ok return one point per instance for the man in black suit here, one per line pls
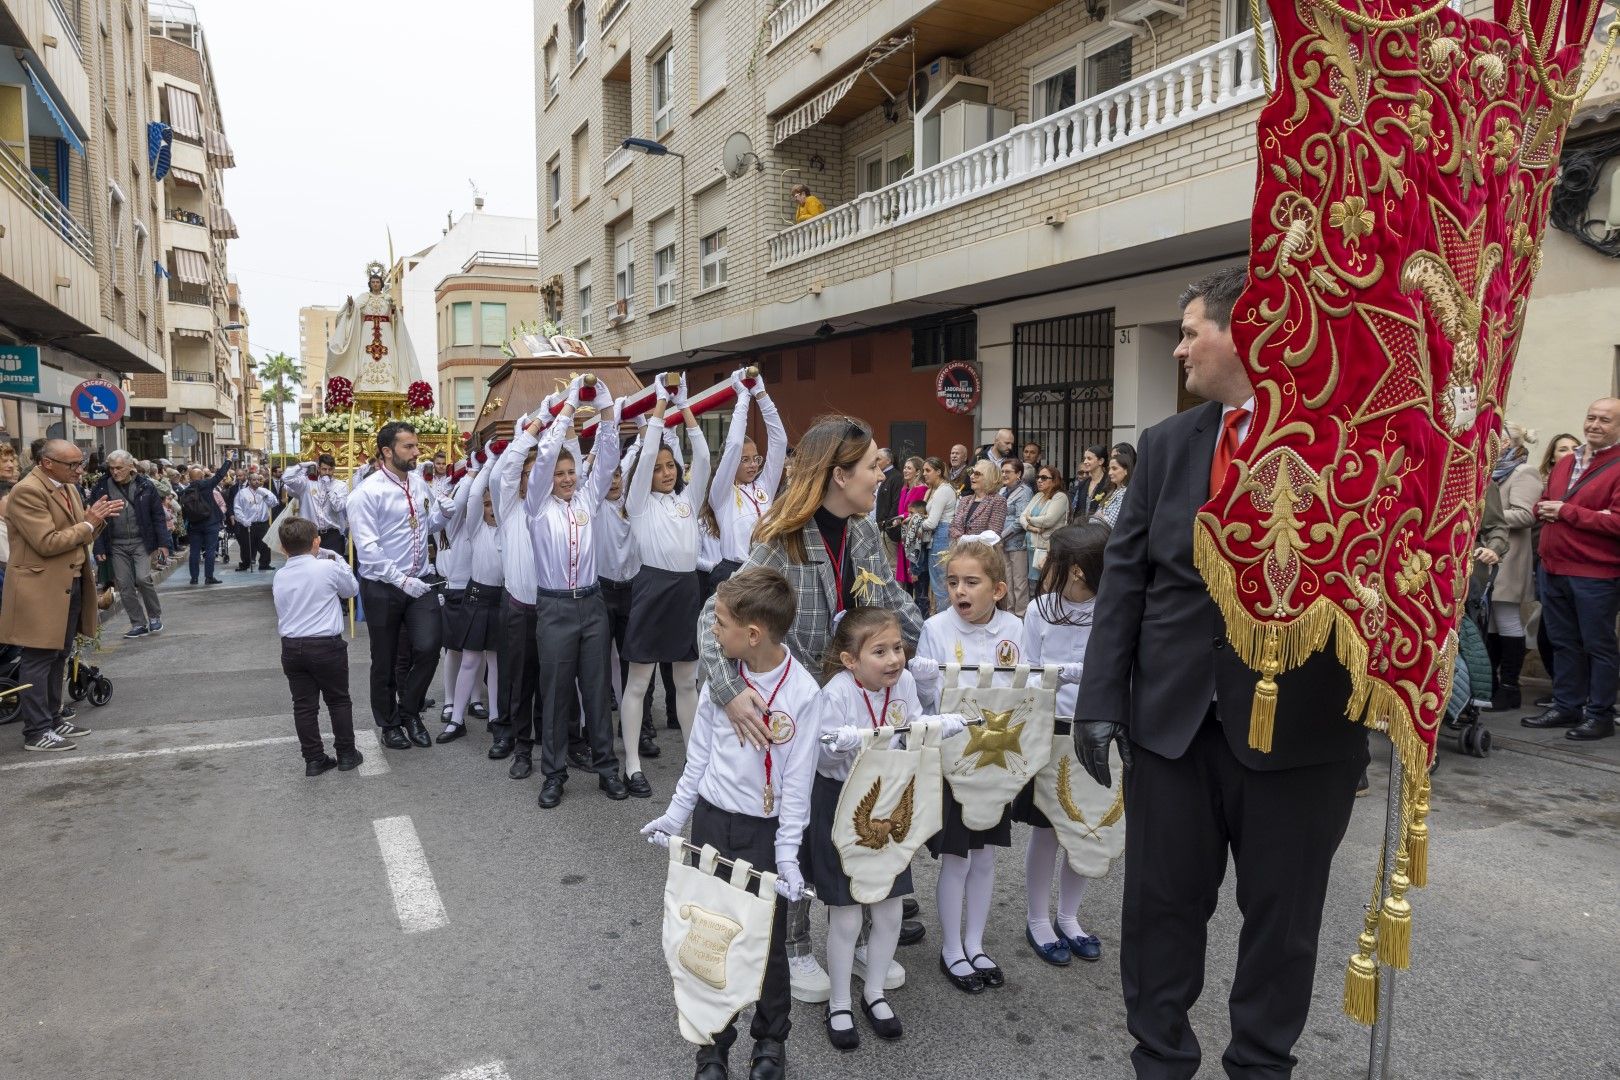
(1163, 684)
(886, 510)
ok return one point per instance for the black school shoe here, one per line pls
(842, 1040)
(637, 785)
(320, 765)
(613, 787)
(770, 1060)
(883, 1028)
(349, 759)
(912, 931)
(648, 746)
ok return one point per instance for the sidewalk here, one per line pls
(1508, 734)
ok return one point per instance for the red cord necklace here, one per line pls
(770, 796)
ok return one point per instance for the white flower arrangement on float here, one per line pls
(339, 424)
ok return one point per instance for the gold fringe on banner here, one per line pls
(1417, 841)
(1395, 920)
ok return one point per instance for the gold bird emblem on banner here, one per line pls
(876, 833)
(995, 740)
(1065, 795)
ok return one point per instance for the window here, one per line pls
(1094, 66)
(582, 164)
(624, 269)
(885, 163)
(944, 341)
(493, 317)
(1108, 67)
(554, 188)
(665, 266)
(663, 84)
(461, 330)
(711, 230)
(579, 28)
(1239, 17)
(582, 289)
(466, 409)
(553, 75)
(1056, 85)
(711, 48)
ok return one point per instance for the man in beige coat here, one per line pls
(50, 589)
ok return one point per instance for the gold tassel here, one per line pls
(1417, 839)
(1263, 714)
(1361, 977)
(1395, 921)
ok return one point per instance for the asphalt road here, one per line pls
(185, 905)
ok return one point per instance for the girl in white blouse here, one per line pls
(471, 635)
(744, 482)
(664, 597)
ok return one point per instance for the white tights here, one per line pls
(635, 694)
(452, 666)
(964, 892)
(467, 679)
(843, 932)
(1043, 846)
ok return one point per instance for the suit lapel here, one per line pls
(1201, 455)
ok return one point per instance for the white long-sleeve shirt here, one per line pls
(322, 501)
(617, 558)
(307, 592)
(731, 777)
(564, 531)
(517, 547)
(1056, 632)
(844, 701)
(253, 505)
(738, 507)
(475, 545)
(390, 526)
(947, 638)
(941, 506)
(665, 526)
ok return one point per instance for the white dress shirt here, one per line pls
(321, 500)
(731, 777)
(665, 526)
(253, 505)
(517, 546)
(390, 541)
(564, 531)
(307, 592)
(617, 558)
(947, 638)
(740, 506)
(1060, 639)
(844, 701)
(467, 559)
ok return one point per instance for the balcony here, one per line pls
(1191, 89)
(225, 431)
(43, 202)
(789, 16)
(616, 162)
(197, 391)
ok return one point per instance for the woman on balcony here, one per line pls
(809, 205)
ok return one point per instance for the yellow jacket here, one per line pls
(811, 207)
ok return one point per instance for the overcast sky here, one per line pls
(349, 119)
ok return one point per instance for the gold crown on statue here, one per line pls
(374, 269)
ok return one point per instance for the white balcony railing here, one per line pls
(789, 16)
(44, 203)
(1210, 81)
(616, 162)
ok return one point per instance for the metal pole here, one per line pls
(1384, 1024)
(695, 849)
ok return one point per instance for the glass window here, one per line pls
(578, 26)
(493, 317)
(553, 74)
(711, 48)
(461, 324)
(466, 408)
(582, 289)
(713, 255)
(582, 164)
(665, 266)
(624, 270)
(663, 83)
(1239, 17)
(554, 188)
(1108, 67)
(1056, 91)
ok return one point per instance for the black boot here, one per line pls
(711, 1064)
(1507, 696)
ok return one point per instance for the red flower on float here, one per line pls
(420, 396)
(339, 393)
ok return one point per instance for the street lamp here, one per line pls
(654, 148)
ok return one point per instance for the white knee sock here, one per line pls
(635, 692)
(953, 872)
(466, 679)
(880, 946)
(1038, 884)
(686, 695)
(981, 882)
(1071, 890)
(843, 927)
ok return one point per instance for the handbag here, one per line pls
(106, 597)
(891, 804)
(1037, 558)
(717, 937)
(989, 763)
(1088, 818)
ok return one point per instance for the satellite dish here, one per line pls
(738, 151)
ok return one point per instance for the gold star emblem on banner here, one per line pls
(995, 740)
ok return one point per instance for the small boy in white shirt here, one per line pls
(314, 656)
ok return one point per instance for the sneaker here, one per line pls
(894, 980)
(66, 730)
(136, 631)
(154, 627)
(50, 740)
(68, 712)
(809, 982)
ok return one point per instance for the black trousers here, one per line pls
(389, 612)
(616, 595)
(1282, 827)
(318, 667)
(43, 670)
(250, 540)
(572, 642)
(518, 710)
(334, 541)
(741, 836)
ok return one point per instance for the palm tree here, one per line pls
(274, 373)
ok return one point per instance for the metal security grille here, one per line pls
(1063, 384)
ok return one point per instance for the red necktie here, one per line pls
(1226, 448)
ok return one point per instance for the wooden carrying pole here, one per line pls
(642, 401)
(349, 533)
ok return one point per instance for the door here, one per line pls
(1063, 385)
(907, 438)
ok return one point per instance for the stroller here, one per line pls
(84, 680)
(10, 687)
(1471, 676)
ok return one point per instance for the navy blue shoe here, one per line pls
(1056, 954)
(1086, 948)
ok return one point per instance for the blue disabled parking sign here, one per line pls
(98, 402)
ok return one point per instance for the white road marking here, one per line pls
(70, 758)
(494, 1070)
(376, 764)
(416, 897)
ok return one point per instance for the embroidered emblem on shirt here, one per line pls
(782, 727)
(1006, 653)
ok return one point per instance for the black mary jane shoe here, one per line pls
(648, 746)
(890, 1028)
(770, 1060)
(847, 1039)
(991, 975)
(522, 767)
(451, 733)
(968, 984)
(637, 785)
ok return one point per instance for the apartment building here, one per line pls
(77, 211)
(315, 323)
(202, 385)
(478, 311)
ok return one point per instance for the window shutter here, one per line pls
(711, 209)
(493, 317)
(663, 232)
(711, 48)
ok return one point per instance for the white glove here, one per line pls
(660, 390)
(574, 389)
(1070, 674)
(789, 881)
(550, 403)
(925, 669)
(758, 388)
(950, 724)
(680, 394)
(738, 385)
(658, 832)
(846, 739)
(415, 587)
(641, 423)
(325, 481)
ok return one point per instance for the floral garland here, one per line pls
(420, 396)
(337, 423)
(339, 394)
(427, 423)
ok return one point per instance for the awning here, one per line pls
(190, 266)
(189, 332)
(159, 147)
(219, 151)
(68, 134)
(186, 176)
(813, 111)
(224, 224)
(185, 114)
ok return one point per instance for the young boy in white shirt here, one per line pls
(309, 592)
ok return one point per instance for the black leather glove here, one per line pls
(1091, 742)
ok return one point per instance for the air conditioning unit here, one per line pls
(931, 78)
(1132, 15)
